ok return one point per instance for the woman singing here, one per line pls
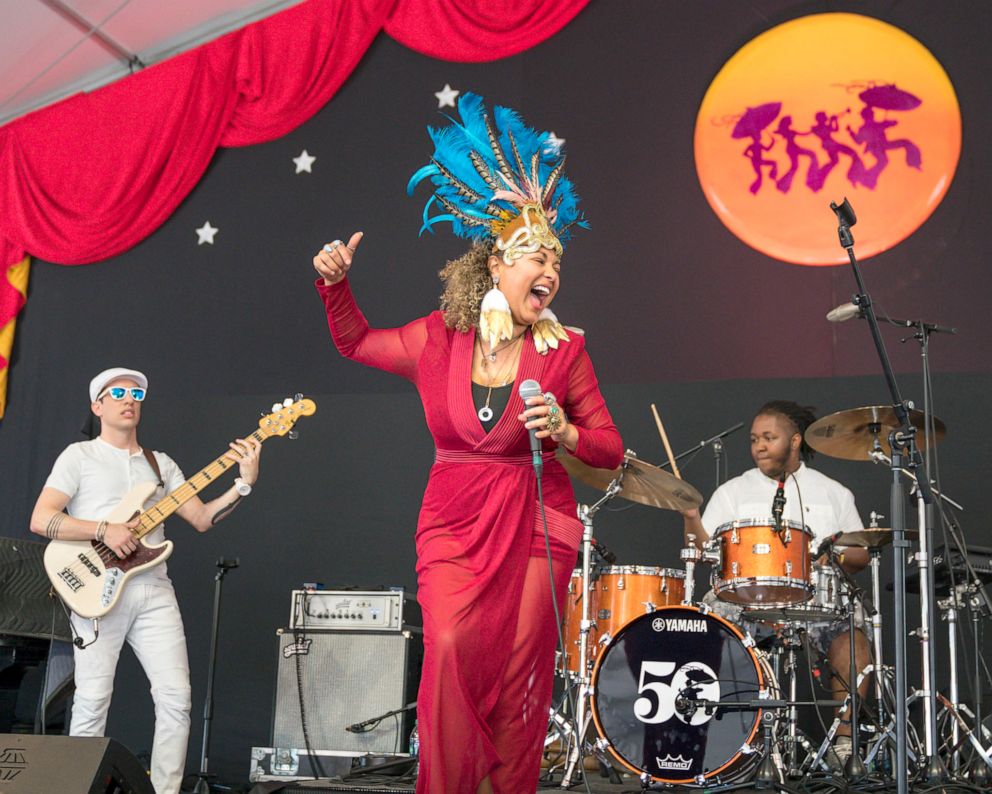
(482, 566)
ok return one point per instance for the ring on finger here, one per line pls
(554, 422)
(549, 398)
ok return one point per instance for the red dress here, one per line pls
(482, 571)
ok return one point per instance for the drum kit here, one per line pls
(661, 686)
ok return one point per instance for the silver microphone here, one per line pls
(844, 312)
(531, 388)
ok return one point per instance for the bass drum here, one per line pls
(681, 654)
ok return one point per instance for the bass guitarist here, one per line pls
(87, 481)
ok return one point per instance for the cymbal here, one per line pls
(872, 538)
(641, 482)
(851, 434)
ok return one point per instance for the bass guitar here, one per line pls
(90, 577)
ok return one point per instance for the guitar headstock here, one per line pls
(285, 415)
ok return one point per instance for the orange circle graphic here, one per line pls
(819, 108)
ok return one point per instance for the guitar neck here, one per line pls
(160, 511)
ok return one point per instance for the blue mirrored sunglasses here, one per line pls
(118, 392)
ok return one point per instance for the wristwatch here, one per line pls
(241, 487)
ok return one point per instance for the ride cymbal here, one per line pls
(852, 434)
(642, 482)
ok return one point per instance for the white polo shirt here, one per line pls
(827, 506)
(96, 475)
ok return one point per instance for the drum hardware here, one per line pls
(580, 688)
(860, 433)
(961, 596)
(904, 451)
(758, 566)
(855, 768)
(718, 452)
(691, 556)
(949, 612)
(843, 706)
(637, 481)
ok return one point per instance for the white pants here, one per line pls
(148, 618)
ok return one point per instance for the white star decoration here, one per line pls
(205, 234)
(304, 161)
(446, 96)
(555, 142)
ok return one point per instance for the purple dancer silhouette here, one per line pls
(751, 125)
(874, 138)
(824, 129)
(795, 151)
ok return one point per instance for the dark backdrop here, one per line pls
(677, 311)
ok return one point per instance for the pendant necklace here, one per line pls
(485, 413)
(491, 355)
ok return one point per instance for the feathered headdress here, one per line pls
(497, 179)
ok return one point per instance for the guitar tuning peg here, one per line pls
(287, 402)
(276, 407)
(293, 435)
(297, 397)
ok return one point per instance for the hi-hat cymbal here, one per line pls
(872, 537)
(641, 482)
(851, 434)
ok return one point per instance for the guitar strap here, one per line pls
(153, 462)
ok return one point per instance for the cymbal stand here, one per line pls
(875, 563)
(718, 452)
(903, 444)
(949, 611)
(855, 768)
(979, 774)
(583, 679)
(791, 740)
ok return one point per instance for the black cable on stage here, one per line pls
(315, 764)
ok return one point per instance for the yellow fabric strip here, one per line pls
(17, 275)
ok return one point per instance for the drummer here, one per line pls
(779, 450)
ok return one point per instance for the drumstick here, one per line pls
(664, 440)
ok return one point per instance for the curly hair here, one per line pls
(801, 417)
(466, 281)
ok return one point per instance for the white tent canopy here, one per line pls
(51, 49)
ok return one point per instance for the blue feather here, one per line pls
(453, 146)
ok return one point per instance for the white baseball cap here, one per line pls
(112, 374)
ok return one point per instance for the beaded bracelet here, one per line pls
(101, 531)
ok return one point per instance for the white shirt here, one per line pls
(827, 506)
(96, 475)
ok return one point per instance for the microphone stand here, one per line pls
(903, 444)
(203, 779)
(716, 441)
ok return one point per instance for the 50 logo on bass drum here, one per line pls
(660, 684)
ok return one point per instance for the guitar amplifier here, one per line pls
(327, 681)
(354, 610)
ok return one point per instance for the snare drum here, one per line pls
(646, 679)
(572, 623)
(827, 605)
(761, 566)
(625, 592)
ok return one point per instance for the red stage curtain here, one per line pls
(92, 176)
(478, 30)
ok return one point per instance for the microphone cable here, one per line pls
(569, 694)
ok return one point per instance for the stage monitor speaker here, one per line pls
(345, 678)
(31, 764)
